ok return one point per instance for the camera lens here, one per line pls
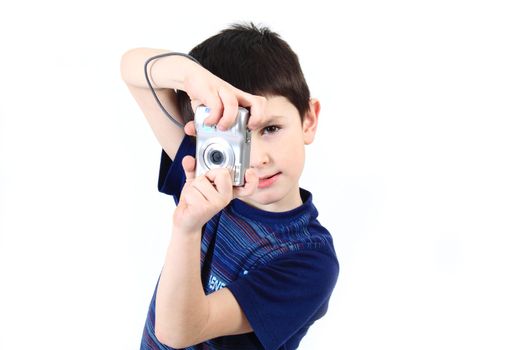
(216, 157)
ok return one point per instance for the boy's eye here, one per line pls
(270, 129)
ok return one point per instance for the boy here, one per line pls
(247, 267)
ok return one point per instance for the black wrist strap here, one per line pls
(153, 90)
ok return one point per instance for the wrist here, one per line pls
(181, 230)
(171, 71)
(189, 70)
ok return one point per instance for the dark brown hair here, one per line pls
(255, 60)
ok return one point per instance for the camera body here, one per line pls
(223, 149)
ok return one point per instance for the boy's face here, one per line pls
(277, 154)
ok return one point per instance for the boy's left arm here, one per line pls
(184, 314)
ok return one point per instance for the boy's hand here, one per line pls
(204, 196)
(223, 100)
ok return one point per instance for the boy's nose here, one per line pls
(258, 156)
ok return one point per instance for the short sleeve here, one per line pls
(289, 293)
(171, 174)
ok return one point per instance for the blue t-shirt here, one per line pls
(281, 267)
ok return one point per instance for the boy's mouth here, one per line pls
(268, 181)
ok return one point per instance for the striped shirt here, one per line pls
(280, 267)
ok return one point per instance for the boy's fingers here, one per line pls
(250, 185)
(189, 128)
(215, 105)
(257, 106)
(258, 114)
(206, 189)
(222, 180)
(230, 105)
(193, 197)
(194, 104)
(188, 164)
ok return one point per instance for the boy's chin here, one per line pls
(269, 200)
(262, 201)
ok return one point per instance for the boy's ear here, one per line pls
(310, 121)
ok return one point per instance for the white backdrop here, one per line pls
(417, 169)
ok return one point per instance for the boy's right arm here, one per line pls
(171, 73)
(166, 75)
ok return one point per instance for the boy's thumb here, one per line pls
(189, 128)
(188, 164)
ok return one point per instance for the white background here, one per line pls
(417, 169)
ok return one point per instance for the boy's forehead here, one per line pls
(278, 107)
(276, 118)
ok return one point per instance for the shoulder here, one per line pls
(318, 260)
(311, 242)
(314, 269)
(282, 296)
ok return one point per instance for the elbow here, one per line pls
(176, 341)
(128, 62)
(178, 331)
(125, 64)
(169, 340)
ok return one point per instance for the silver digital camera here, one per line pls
(223, 149)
